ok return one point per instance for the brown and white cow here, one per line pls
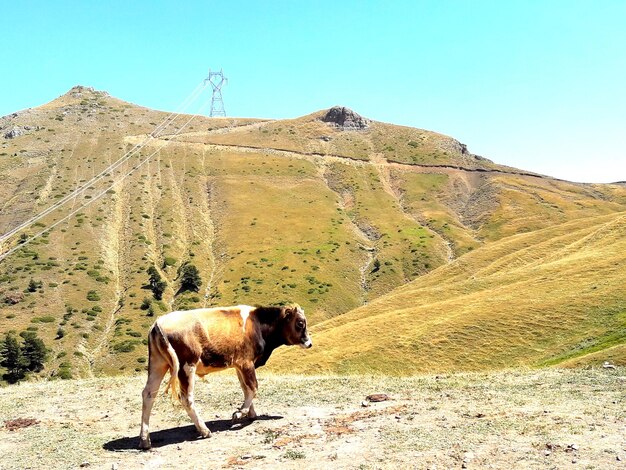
(198, 342)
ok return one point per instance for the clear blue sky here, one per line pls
(539, 85)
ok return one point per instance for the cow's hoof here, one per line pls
(145, 444)
(251, 414)
(205, 433)
(237, 416)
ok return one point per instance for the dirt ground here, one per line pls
(514, 419)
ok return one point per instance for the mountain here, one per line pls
(396, 241)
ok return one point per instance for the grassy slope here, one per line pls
(262, 226)
(538, 298)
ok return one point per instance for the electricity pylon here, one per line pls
(217, 80)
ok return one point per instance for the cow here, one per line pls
(201, 341)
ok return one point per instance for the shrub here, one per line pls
(169, 261)
(93, 296)
(125, 346)
(43, 319)
(294, 454)
(376, 265)
(34, 285)
(65, 371)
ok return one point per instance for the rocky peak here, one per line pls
(80, 91)
(345, 118)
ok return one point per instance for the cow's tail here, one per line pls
(168, 353)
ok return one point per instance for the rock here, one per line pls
(345, 119)
(84, 464)
(15, 131)
(468, 456)
(13, 297)
(608, 365)
(376, 397)
(365, 404)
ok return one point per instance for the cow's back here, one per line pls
(214, 336)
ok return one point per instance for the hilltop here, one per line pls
(407, 251)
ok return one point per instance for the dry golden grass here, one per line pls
(531, 299)
(511, 419)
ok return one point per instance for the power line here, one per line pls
(164, 124)
(155, 133)
(99, 195)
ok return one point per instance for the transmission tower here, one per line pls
(217, 80)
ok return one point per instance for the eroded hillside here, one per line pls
(268, 211)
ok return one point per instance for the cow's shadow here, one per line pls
(180, 434)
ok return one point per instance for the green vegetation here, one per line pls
(93, 296)
(190, 278)
(156, 283)
(20, 359)
(33, 285)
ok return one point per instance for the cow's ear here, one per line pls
(290, 312)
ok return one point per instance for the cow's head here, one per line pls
(295, 329)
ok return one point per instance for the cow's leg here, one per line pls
(187, 376)
(156, 371)
(249, 386)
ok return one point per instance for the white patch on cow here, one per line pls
(244, 311)
(172, 317)
(307, 344)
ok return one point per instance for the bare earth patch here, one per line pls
(19, 423)
(517, 419)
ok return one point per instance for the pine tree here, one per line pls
(156, 282)
(35, 352)
(190, 278)
(12, 359)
